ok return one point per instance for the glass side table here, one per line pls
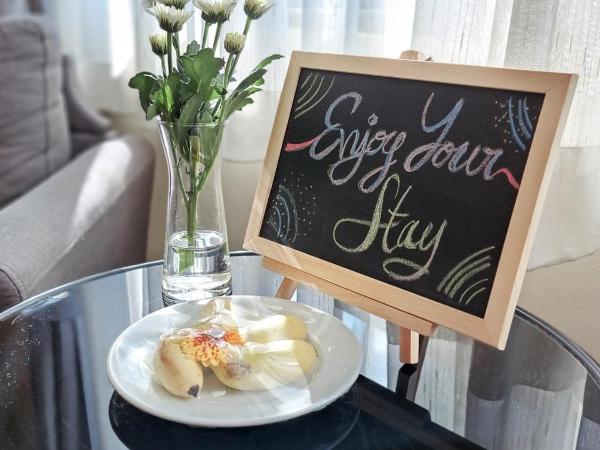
(543, 392)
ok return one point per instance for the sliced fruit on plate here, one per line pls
(267, 366)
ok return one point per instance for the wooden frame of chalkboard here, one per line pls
(498, 96)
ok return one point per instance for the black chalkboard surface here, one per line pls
(410, 182)
(409, 189)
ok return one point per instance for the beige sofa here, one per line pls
(74, 197)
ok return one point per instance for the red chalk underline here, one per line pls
(509, 176)
(290, 147)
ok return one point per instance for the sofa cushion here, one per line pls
(34, 140)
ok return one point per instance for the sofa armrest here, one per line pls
(88, 217)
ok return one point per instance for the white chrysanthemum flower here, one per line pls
(149, 4)
(179, 4)
(255, 9)
(234, 43)
(170, 18)
(215, 11)
(159, 44)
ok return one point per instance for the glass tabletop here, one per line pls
(542, 392)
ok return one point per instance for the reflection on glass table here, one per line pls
(542, 392)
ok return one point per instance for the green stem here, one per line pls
(205, 34)
(176, 45)
(191, 216)
(164, 67)
(234, 64)
(169, 54)
(226, 78)
(187, 255)
(217, 33)
(190, 199)
(237, 57)
(216, 108)
(227, 71)
(210, 161)
(222, 113)
(195, 156)
(176, 162)
(202, 180)
(180, 182)
(247, 26)
(197, 181)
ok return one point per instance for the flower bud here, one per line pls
(159, 45)
(255, 9)
(234, 43)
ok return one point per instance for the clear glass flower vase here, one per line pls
(196, 264)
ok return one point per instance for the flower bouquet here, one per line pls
(193, 97)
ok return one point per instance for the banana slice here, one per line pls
(266, 354)
(267, 366)
(275, 328)
(178, 374)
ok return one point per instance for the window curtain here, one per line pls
(108, 39)
(553, 35)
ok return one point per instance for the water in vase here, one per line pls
(199, 271)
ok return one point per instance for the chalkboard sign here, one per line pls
(414, 184)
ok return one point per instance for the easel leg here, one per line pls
(409, 346)
(286, 289)
(409, 374)
(403, 382)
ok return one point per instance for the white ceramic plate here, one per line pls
(338, 366)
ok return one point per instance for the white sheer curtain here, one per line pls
(361, 27)
(555, 35)
(108, 39)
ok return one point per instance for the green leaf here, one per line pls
(190, 110)
(186, 92)
(256, 76)
(206, 117)
(250, 80)
(240, 97)
(192, 48)
(268, 60)
(239, 101)
(189, 115)
(146, 83)
(201, 69)
(252, 90)
(236, 104)
(152, 111)
(167, 99)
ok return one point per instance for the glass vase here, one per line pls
(196, 264)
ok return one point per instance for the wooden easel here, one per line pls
(488, 320)
(410, 326)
